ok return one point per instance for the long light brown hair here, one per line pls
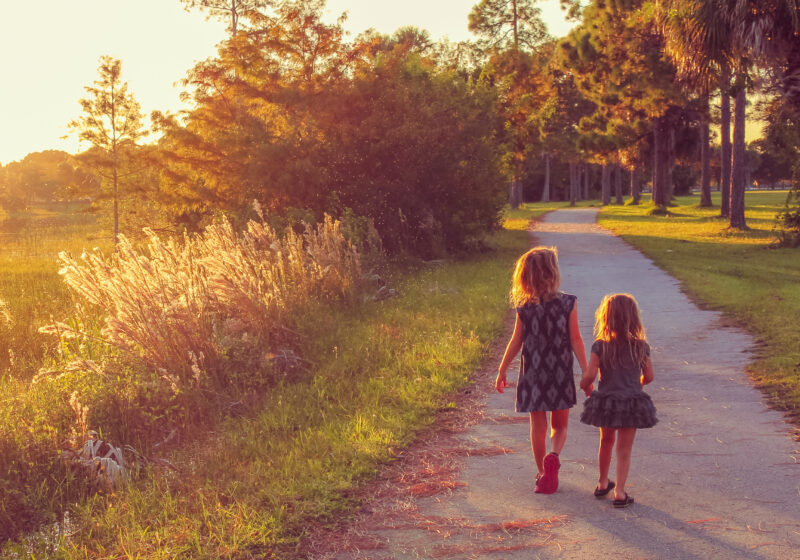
(536, 276)
(617, 322)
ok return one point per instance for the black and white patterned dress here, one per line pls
(546, 380)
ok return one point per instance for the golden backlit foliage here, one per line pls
(291, 115)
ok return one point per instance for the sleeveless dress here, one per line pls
(619, 401)
(546, 381)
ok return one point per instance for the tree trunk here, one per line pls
(573, 184)
(515, 194)
(546, 189)
(737, 220)
(725, 132)
(669, 163)
(664, 160)
(654, 173)
(234, 18)
(116, 206)
(115, 160)
(636, 188)
(586, 174)
(705, 166)
(705, 162)
(659, 175)
(516, 37)
(618, 184)
(605, 185)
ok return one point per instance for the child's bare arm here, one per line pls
(589, 375)
(511, 350)
(647, 371)
(575, 338)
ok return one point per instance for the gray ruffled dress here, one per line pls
(619, 401)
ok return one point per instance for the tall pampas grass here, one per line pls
(179, 305)
(5, 315)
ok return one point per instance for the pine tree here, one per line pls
(112, 123)
(511, 33)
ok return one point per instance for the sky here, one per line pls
(49, 52)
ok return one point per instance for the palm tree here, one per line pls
(770, 30)
(698, 39)
(726, 38)
(767, 31)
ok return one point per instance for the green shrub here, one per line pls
(788, 221)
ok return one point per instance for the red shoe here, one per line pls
(548, 484)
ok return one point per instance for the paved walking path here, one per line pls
(718, 477)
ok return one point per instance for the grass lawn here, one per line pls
(735, 272)
(29, 283)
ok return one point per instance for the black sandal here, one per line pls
(623, 503)
(598, 493)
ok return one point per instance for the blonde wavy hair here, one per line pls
(536, 276)
(617, 322)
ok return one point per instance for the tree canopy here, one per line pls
(291, 115)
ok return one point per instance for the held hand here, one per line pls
(588, 390)
(500, 382)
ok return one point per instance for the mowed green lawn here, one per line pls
(735, 272)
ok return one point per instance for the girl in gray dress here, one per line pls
(547, 332)
(619, 406)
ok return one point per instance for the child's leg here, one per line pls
(548, 465)
(624, 446)
(559, 420)
(538, 437)
(604, 455)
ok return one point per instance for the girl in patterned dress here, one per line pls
(619, 406)
(546, 331)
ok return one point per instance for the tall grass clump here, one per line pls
(182, 307)
(165, 338)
